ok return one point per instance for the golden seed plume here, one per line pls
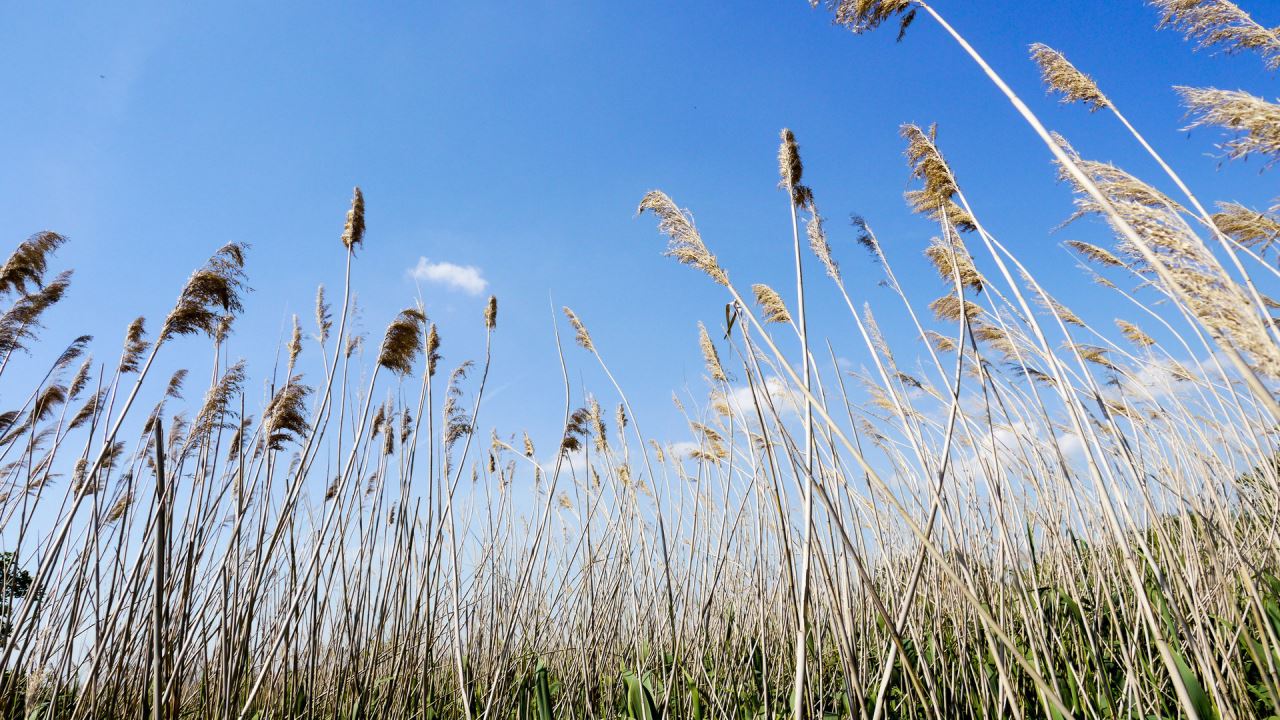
(1222, 24)
(491, 312)
(583, 337)
(948, 307)
(1095, 253)
(353, 232)
(1253, 229)
(1063, 77)
(599, 431)
(775, 311)
(710, 356)
(433, 350)
(1134, 333)
(935, 199)
(1255, 121)
(685, 244)
(939, 341)
(402, 342)
(952, 259)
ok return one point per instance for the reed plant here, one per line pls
(1023, 514)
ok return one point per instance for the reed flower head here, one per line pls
(403, 341)
(491, 312)
(210, 292)
(790, 170)
(19, 323)
(865, 15)
(135, 345)
(817, 233)
(432, 350)
(685, 244)
(324, 319)
(1062, 77)
(1257, 230)
(353, 231)
(285, 419)
(775, 311)
(952, 259)
(582, 337)
(1255, 121)
(935, 199)
(295, 345)
(710, 356)
(1222, 24)
(29, 262)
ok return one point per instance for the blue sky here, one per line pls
(517, 138)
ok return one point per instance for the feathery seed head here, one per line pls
(403, 341)
(1255, 121)
(433, 350)
(491, 312)
(935, 199)
(135, 344)
(685, 244)
(28, 263)
(865, 15)
(353, 232)
(210, 293)
(1221, 23)
(1063, 77)
(583, 338)
(710, 356)
(775, 311)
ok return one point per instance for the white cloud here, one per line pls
(683, 449)
(466, 278)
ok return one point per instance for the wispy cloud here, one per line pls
(466, 278)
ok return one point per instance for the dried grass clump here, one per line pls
(1256, 121)
(1062, 77)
